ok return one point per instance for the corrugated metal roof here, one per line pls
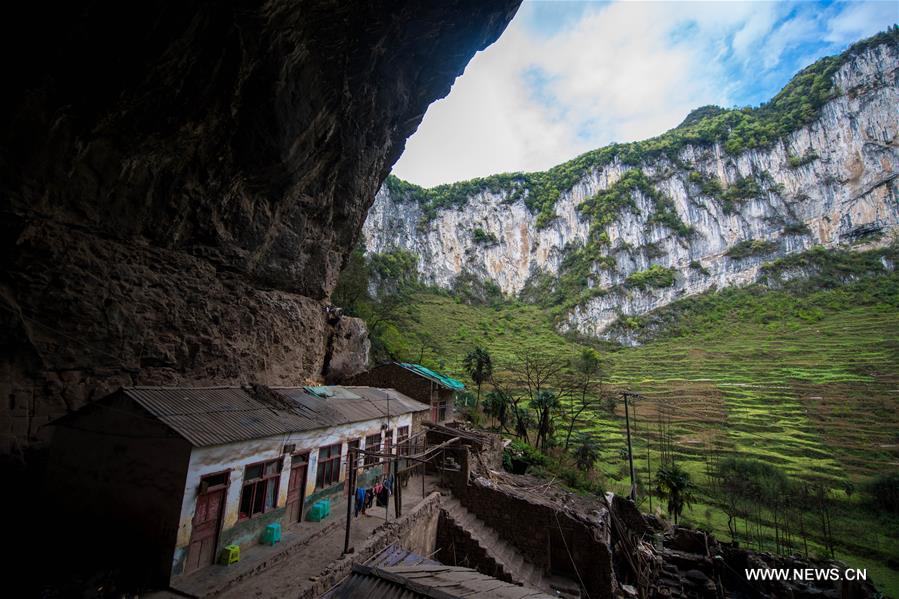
(441, 379)
(401, 574)
(219, 415)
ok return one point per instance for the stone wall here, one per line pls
(587, 536)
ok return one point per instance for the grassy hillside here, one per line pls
(802, 375)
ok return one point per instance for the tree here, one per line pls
(544, 404)
(479, 367)
(587, 388)
(534, 380)
(586, 452)
(673, 483)
(496, 405)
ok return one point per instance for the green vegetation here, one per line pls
(751, 247)
(653, 277)
(738, 129)
(796, 228)
(483, 237)
(884, 491)
(797, 373)
(698, 267)
(797, 161)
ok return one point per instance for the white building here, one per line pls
(172, 475)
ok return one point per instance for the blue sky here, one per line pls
(567, 77)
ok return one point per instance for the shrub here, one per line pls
(797, 161)
(797, 228)
(750, 247)
(481, 236)
(653, 277)
(883, 491)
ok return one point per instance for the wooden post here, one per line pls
(630, 449)
(397, 510)
(351, 481)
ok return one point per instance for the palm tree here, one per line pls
(544, 403)
(586, 452)
(496, 404)
(479, 367)
(673, 483)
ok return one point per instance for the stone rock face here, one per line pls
(850, 187)
(182, 181)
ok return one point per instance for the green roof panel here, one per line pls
(438, 378)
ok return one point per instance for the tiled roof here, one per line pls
(219, 415)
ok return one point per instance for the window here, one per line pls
(372, 443)
(328, 471)
(388, 442)
(402, 441)
(260, 488)
(441, 411)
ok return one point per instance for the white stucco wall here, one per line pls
(234, 457)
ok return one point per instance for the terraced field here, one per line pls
(818, 399)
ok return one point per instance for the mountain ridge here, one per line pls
(646, 223)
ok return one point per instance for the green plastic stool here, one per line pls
(230, 555)
(319, 511)
(271, 534)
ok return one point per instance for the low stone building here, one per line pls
(162, 479)
(416, 381)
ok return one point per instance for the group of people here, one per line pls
(378, 494)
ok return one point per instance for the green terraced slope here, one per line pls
(817, 396)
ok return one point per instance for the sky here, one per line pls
(567, 77)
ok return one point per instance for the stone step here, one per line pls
(509, 559)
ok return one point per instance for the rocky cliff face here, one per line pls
(827, 183)
(182, 181)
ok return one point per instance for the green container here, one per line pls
(230, 555)
(271, 534)
(319, 511)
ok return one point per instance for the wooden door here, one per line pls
(205, 532)
(296, 488)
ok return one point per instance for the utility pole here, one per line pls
(351, 482)
(630, 449)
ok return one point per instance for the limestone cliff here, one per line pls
(705, 216)
(182, 181)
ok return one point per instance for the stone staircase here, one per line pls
(511, 564)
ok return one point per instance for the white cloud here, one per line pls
(618, 72)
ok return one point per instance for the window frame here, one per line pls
(263, 482)
(402, 440)
(371, 460)
(326, 475)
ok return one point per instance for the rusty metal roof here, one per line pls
(219, 415)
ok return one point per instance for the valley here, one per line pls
(801, 375)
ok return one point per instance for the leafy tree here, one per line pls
(544, 403)
(586, 452)
(673, 483)
(479, 366)
(586, 384)
(496, 405)
(883, 491)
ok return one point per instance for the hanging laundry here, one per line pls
(382, 496)
(360, 500)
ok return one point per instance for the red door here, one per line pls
(296, 488)
(205, 532)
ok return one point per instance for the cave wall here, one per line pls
(182, 182)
